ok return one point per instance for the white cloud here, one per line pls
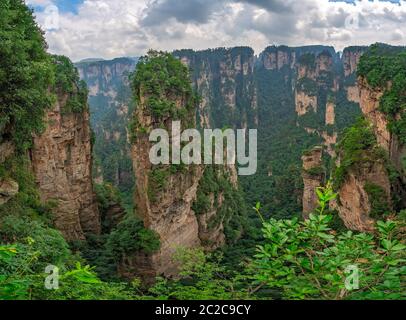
(112, 28)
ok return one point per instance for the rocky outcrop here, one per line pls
(224, 79)
(6, 150)
(275, 58)
(305, 103)
(164, 195)
(330, 140)
(330, 113)
(62, 163)
(355, 202)
(105, 77)
(314, 76)
(186, 205)
(353, 94)
(351, 57)
(8, 189)
(167, 211)
(369, 102)
(313, 177)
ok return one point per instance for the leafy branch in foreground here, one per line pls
(308, 260)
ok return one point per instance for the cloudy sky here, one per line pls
(112, 28)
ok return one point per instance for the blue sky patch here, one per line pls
(63, 6)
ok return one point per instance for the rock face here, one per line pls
(6, 150)
(104, 78)
(169, 212)
(8, 189)
(314, 76)
(163, 198)
(369, 102)
(305, 103)
(224, 78)
(330, 141)
(62, 162)
(351, 57)
(313, 177)
(212, 238)
(353, 94)
(330, 113)
(275, 58)
(355, 203)
(186, 205)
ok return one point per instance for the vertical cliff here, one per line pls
(111, 104)
(362, 178)
(362, 190)
(61, 158)
(52, 162)
(224, 78)
(313, 175)
(62, 161)
(186, 205)
(370, 101)
(350, 60)
(374, 184)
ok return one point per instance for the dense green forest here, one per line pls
(271, 253)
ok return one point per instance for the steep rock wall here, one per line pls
(62, 161)
(313, 177)
(224, 79)
(369, 102)
(351, 57)
(354, 201)
(305, 103)
(188, 206)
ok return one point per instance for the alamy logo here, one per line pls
(169, 151)
(352, 279)
(51, 18)
(52, 281)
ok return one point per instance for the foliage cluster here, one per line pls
(26, 73)
(161, 80)
(67, 82)
(357, 147)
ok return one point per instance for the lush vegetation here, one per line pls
(358, 146)
(288, 258)
(26, 73)
(161, 79)
(216, 191)
(67, 83)
(296, 260)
